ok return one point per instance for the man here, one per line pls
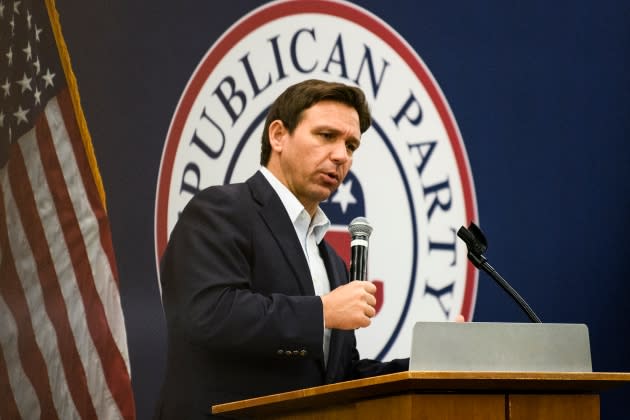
(256, 303)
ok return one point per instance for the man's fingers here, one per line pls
(369, 287)
(350, 306)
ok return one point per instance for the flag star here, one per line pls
(37, 32)
(28, 18)
(28, 52)
(344, 196)
(15, 7)
(20, 115)
(7, 88)
(25, 83)
(2, 9)
(12, 23)
(10, 55)
(37, 66)
(37, 95)
(1, 119)
(48, 77)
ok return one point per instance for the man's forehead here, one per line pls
(325, 107)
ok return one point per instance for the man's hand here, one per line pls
(350, 306)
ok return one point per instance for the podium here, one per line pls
(440, 395)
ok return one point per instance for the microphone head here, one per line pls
(474, 238)
(360, 227)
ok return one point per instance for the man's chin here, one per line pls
(324, 193)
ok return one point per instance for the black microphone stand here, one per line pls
(477, 245)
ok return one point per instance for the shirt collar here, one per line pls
(297, 213)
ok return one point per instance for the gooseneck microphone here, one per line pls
(476, 243)
(360, 231)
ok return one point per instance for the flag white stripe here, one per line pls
(97, 387)
(28, 403)
(104, 281)
(44, 332)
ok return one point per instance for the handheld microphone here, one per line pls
(360, 231)
(477, 244)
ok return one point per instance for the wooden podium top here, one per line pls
(402, 382)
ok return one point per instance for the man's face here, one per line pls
(313, 161)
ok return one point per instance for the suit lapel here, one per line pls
(275, 216)
(334, 267)
(337, 275)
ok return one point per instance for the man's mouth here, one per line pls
(331, 177)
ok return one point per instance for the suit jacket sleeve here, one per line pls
(228, 287)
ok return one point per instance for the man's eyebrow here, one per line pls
(324, 126)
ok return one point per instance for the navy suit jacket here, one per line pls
(242, 317)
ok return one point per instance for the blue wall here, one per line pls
(541, 93)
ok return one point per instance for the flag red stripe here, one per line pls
(53, 297)
(8, 408)
(33, 363)
(116, 373)
(98, 207)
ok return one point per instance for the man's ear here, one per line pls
(277, 135)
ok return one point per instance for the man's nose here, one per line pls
(339, 153)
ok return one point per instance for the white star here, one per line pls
(1, 119)
(37, 32)
(27, 51)
(37, 94)
(28, 18)
(12, 23)
(48, 77)
(10, 55)
(20, 115)
(7, 88)
(25, 83)
(15, 7)
(2, 9)
(344, 196)
(37, 66)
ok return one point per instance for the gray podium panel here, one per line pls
(493, 347)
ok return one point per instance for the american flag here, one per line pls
(62, 334)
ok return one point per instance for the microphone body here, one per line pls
(360, 230)
(477, 244)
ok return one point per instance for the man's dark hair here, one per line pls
(290, 105)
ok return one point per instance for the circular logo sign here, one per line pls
(410, 177)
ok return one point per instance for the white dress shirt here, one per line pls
(310, 233)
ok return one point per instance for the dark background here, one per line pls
(541, 93)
